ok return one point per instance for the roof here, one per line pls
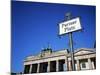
(52, 54)
(82, 51)
(62, 52)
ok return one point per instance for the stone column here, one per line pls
(78, 65)
(69, 66)
(57, 65)
(48, 69)
(38, 66)
(66, 64)
(30, 68)
(90, 64)
(93, 65)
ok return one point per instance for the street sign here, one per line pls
(69, 26)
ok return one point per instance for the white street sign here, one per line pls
(69, 26)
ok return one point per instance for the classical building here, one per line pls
(56, 61)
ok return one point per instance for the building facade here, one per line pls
(57, 61)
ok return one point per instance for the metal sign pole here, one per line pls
(68, 15)
(68, 27)
(72, 50)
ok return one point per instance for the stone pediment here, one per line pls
(84, 51)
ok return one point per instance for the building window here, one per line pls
(83, 65)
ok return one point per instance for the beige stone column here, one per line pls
(93, 65)
(38, 67)
(57, 65)
(48, 69)
(69, 66)
(90, 64)
(30, 68)
(66, 63)
(78, 65)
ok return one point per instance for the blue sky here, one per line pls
(35, 24)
